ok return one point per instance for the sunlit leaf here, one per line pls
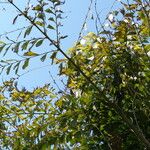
(39, 23)
(30, 53)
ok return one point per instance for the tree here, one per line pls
(106, 104)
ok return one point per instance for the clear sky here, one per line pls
(75, 10)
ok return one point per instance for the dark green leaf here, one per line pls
(51, 19)
(28, 31)
(6, 50)
(49, 11)
(53, 56)
(15, 19)
(26, 63)
(39, 43)
(16, 67)
(2, 47)
(16, 48)
(43, 58)
(25, 45)
(8, 70)
(50, 27)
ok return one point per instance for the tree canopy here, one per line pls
(105, 104)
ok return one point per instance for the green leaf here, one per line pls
(50, 27)
(43, 58)
(25, 45)
(6, 50)
(14, 20)
(16, 48)
(53, 56)
(40, 23)
(26, 63)
(28, 31)
(8, 69)
(63, 37)
(38, 8)
(51, 19)
(2, 47)
(16, 67)
(49, 11)
(39, 43)
(2, 43)
(41, 16)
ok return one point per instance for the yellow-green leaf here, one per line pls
(30, 53)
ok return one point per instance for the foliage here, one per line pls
(44, 17)
(106, 105)
(25, 116)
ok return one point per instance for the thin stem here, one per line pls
(86, 17)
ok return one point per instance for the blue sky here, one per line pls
(75, 10)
